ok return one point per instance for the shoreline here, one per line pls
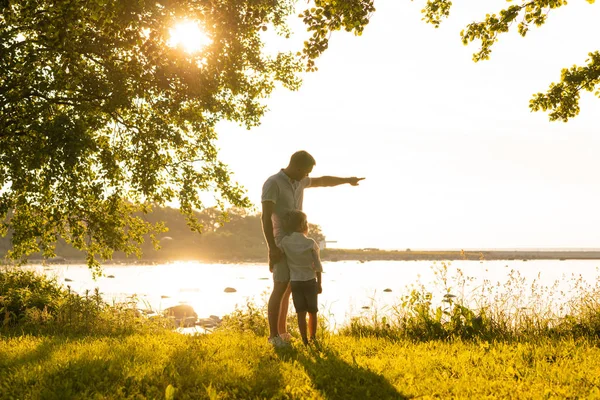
(452, 255)
(364, 255)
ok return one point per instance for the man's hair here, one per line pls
(294, 221)
(302, 159)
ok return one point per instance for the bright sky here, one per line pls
(452, 156)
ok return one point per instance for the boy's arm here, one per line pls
(333, 181)
(317, 266)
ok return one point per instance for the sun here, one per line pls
(188, 35)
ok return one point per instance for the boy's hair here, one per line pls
(294, 221)
(302, 159)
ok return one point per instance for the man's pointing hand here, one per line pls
(354, 180)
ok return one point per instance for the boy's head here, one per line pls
(296, 221)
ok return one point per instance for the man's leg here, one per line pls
(279, 288)
(283, 310)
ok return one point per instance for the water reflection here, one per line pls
(349, 288)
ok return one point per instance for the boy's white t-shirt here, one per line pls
(302, 254)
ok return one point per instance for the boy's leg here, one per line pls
(312, 324)
(283, 310)
(302, 326)
(312, 307)
(299, 297)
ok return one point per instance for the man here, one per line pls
(281, 193)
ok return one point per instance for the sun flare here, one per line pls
(188, 35)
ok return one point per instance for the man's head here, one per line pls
(296, 221)
(301, 164)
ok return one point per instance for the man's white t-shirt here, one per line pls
(287, 195)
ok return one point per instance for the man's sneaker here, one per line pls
(277, 342)
(285, 336)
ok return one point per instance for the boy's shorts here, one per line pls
(304, 295)
(281, 271)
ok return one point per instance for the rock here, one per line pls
(188, 322)
(183, 314)
(229, 290)
(387, 290)
(210, 322)
(206, 323)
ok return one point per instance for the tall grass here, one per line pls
(32, 303)
(518, 311)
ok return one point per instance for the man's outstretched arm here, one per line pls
(324, 181)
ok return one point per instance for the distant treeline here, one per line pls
(238, 239)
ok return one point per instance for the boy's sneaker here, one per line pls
(285, 336)
(277, 342)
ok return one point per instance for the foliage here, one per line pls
(252, 318)
(327, 16)
(23, 291)
(35, 303)
(101, 118)
(232, 235)
(561, 99)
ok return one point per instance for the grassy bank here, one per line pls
(58, 345)
(242, 365)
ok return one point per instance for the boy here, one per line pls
(302, 254)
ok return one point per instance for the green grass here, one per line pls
(241, 365)
(55, 344)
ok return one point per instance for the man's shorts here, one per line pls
(304, 294)
(281, 271)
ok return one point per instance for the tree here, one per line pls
(562, 98)
(100, 118)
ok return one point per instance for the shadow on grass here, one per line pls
(40, 353)
(335, 378)
(225, 368)
(81, 378)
